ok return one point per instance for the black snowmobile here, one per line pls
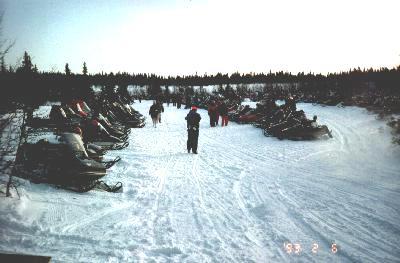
(304, 133)
(59, 159)
(293, 128)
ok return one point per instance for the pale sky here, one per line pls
(186, 36)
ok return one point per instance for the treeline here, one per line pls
(26, 84)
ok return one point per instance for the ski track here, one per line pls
(239, 200)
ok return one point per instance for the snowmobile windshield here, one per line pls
(74, 143)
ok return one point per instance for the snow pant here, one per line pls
(159, 117)
(193, 137)
(213, 120)
(224, 120)
(155, 120)
(216, 119)
(178, 105)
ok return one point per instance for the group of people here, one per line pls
(176, 100)
(218, 109)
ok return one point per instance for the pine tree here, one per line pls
(84, 71)
(27, 63)
(67, 70)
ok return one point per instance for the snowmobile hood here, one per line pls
(74, 143)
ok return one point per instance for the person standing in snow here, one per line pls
(173, 96)
(160, 109)
(188, 102)
(193, 121)
(223, 112)
(178, 100)
(153, 112)
(212, 112)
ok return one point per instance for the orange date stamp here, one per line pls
(298, 248)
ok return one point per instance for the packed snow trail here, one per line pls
(239, 200)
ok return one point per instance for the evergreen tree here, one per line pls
(84, 70)
(27, 65)
(67, 70)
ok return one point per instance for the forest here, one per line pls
(26, 85)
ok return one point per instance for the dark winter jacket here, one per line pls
(193, 119)
(160, 107)
(212, 109)
(154, 110)
(223, 109)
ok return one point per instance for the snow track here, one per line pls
(239, 200)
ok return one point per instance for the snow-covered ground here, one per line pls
(239, 200)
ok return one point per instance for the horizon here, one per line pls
(185, 37)
(364, 69)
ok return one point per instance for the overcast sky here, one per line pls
(188, 36)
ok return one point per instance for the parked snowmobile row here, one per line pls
(67, 148)
(283, 122)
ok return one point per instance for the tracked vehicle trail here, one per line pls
(239, 200)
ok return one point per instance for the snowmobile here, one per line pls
(96, 134)
(249, 118)
(305, 133)
(118, 113)
(57, 119)
(59, 159)
(240, 111)
(291, 129)
(110, 137)
(248, 115)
